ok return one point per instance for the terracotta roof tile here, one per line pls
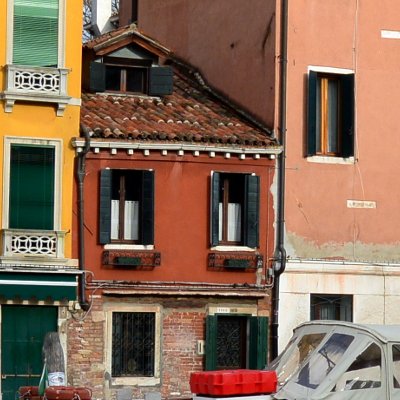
(176, 117)
(191, 114)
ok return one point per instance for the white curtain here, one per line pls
(234, 222)
(131, 220)
(114, 219)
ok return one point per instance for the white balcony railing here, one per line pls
(25, 243)
(40, 84)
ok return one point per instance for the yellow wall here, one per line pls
(39, 120)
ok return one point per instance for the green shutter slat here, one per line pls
(214, 212)
(32, 177)
(312, 114)
(160, 81)
(105, 206)
(347, 97)
(258, 342)
(211, 343)
(251, 210)
(147, 214)
(97, 77)
(35, 32)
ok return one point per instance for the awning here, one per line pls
(54, 286)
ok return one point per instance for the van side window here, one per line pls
(396, 365)
(365, 372)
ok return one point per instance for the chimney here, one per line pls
(128, 12)
(101, 14)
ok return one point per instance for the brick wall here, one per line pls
(182, 326)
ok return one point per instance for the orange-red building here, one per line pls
(176, 211)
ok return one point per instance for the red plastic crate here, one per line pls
(233, 382)
(67, 393)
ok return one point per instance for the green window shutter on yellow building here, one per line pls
(35, 34)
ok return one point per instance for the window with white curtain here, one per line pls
(126, 206)
(235, 199)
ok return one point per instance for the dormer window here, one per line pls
(126, 77)
(130, 78)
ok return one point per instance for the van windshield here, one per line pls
(296, 352)
(324, 360)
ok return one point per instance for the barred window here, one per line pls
(331, 306)
(133, 344)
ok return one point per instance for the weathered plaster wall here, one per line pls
(319, 223)
(232, 43)
(374, 289)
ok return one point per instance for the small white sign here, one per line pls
(226, 310)
(385, 34)
(361, 204)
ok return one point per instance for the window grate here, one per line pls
(133, 344)
(231, 342)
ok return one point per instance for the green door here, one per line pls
(22, 332)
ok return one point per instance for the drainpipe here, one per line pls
(280, 252)
(80, 176)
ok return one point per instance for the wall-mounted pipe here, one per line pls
(80, 169)
(280, 251)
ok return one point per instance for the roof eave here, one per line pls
(79, 144)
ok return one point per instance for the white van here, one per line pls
(336, 360)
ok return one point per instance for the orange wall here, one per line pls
(181, 216)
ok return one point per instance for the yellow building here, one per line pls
(40, 80)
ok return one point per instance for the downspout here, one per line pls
(280, 252)
(80, 176)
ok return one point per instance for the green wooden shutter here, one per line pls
(105, 206)
(211, 343)
(35, 33)
(32, 187)
(147, 209)
(251, 210)
(160, 81)
(97, 77)
(214, 209)
(312, 114)
(347, 109)
(258, 342)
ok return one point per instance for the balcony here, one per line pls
(33, 245)
(36, 84)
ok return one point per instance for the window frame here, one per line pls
(159, 79)
(318, 111)
(123, 67)
(146, 213)
(57, 145)
(61, 33)
(324, 106)
(125, 308)
(250, 213)
(336, 302)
